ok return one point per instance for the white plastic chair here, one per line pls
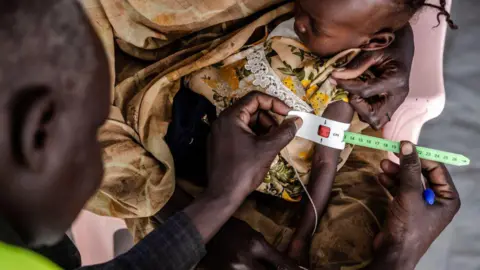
(94, 237)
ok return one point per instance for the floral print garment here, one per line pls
(284, 68)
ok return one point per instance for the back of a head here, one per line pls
(328, 27)
(54, 85)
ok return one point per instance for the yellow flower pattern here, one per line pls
(319, 101)
(306, 79)
(310, 91)
(306, 83)
(288, 82)
(304, 75)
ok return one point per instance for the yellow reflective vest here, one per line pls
(15, 258)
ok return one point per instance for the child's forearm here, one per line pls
(323, 173)
(324, 169)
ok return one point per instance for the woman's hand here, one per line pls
(392, 69)
(412, 225)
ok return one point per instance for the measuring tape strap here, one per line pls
(394, 147)
(321, 130)
(442, 156)
(334, 134)
(372, 142)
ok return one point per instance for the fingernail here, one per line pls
(341, 69)
(332, 81)
(298, 123)
(407, 149)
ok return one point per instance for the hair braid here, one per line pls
(443, 12)
(415, 5)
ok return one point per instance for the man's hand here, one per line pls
(242, 144)
(412, 225)
(391, 85)
(238, 246)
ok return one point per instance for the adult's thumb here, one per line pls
(275, 140)
(410, 168)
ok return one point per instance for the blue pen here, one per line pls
(428, 194)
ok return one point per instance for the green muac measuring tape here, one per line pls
(394, 147)
(334, 134)
(423, 153)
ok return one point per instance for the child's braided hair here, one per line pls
(415, 5)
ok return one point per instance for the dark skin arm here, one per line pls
(324, 168)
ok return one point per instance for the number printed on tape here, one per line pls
(391, 146)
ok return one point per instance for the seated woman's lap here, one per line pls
(345, 235)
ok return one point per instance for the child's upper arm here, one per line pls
(338, 111)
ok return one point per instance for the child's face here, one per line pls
(327, 27)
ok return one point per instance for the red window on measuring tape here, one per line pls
(324, 131)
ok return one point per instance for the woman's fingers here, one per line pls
(439, 180)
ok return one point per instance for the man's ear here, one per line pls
(379, 41)
(32, 117)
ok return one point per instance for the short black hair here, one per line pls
(41, 37)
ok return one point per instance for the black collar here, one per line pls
(64, 254)
(9, 235)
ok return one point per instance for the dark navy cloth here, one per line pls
(187, 135)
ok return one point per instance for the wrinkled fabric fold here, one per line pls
(164, 42)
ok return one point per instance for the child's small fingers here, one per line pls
(389, 167)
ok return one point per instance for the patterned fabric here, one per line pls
(284, 68)
(347, 228)
(346, 231)
(139, 168)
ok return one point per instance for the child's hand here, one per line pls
(392, 66)
(299, 250)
